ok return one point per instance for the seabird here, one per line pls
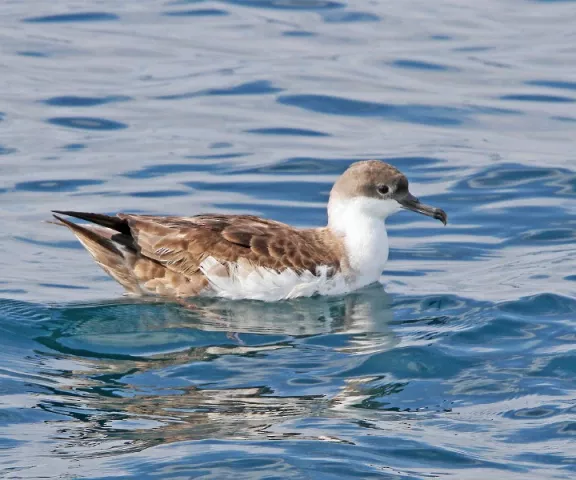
(248, 257)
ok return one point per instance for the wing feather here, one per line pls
(181, 244)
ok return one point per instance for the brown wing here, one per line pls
(181, 244)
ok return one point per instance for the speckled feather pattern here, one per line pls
(165, 255)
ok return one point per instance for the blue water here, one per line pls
(462, 365)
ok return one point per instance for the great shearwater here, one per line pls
(245, 256)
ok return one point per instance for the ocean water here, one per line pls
(461, 365)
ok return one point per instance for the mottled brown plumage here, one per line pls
(162, 255)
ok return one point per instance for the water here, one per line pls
(462, 365)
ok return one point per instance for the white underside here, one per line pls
(359, 221)
(242, 281)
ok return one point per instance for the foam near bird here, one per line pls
(248, 257)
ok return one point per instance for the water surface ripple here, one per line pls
(461, 365)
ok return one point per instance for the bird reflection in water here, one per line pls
(151, 373)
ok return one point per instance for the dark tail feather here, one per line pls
(88, 235)
(107, 221)
(104, 250)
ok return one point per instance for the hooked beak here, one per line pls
(410, 202)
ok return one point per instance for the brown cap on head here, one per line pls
(379, 180)
(368, 179)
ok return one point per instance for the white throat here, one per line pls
(360, 221)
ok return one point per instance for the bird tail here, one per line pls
(107, 247)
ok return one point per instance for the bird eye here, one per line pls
(383, 189)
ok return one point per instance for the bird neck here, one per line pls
(363, 235)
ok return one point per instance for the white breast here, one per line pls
(360, 222)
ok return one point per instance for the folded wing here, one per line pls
(181, 244)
